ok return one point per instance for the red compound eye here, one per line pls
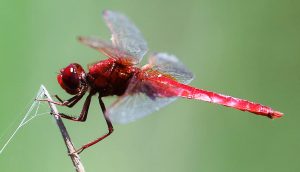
(71, 78)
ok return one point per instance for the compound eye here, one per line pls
(70, 78)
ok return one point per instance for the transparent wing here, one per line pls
(129, 108)
(103, 46)
(141, 97)
(126, 36)
(106, 48)
(170, 65)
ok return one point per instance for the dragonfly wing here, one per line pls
(143, 94)
(126, 36)
(135, 104)
(129, 108)
(103, 46)
(170, 65)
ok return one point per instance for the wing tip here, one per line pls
(84, 40)
(105, 12)
(80, 38)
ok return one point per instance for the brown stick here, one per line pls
(74, 156)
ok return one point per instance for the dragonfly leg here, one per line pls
(109, 126)
(71, 101)
(83, 115)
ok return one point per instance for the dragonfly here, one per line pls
(141, 90)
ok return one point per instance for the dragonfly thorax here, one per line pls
(108, 77)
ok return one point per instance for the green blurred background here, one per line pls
(247, 49)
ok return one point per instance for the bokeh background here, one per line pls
(247, 49)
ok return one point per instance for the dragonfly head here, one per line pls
(72, 78)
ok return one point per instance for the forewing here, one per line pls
(142, 96)
(103, 46)
(125, 36)
(170, 65)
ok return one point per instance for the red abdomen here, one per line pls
(166, 87)
(109, 77)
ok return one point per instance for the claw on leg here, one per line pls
(50, 101)
(78, 151)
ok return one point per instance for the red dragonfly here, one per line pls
(141, 90)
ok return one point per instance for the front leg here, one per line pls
(70, 102)
(83, 115)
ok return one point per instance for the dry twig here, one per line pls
(74, 156)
